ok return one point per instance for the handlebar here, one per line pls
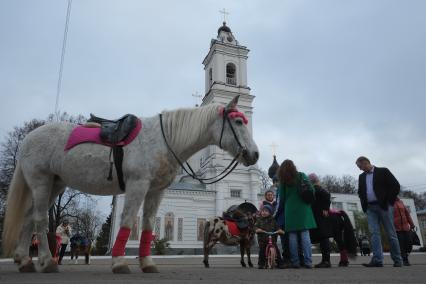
(270, 233)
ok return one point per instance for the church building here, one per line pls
(187, 203)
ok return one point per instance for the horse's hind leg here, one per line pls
(41, 188)
(21, 254)
(248, 252)
(21, 257)
(151, 204)
(207, 243)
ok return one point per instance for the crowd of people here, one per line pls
(301, 210)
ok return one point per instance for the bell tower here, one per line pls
(225, 68)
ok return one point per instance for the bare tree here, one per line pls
(419, 198)
(67, 205)
(87, 221)
(9, 151)
(102, 241)
(265, 181)
(345, 184)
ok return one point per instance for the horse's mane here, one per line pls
(186, 125)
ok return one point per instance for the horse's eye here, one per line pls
(239, 121)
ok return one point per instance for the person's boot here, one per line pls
(323, 264)
(406, 262)
(344, 260)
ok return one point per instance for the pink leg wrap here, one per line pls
(344, 256)
(145, 244)
(120, 242)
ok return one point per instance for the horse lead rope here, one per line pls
(232, 165)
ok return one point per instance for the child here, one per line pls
(403, 224)
(266, 223)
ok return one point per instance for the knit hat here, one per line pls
(313, 178)
(268, 207)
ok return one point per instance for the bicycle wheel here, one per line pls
(271, 257)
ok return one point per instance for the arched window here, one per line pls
(169, 224)
(230, 74)
(210, 76)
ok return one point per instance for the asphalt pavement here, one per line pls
(223, 269)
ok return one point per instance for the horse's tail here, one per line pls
(349, 238)
(17, 204)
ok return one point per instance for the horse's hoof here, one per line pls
(121, 269)
(250, 265)
(150, 269)
(206, 264)
(243, 264)
(50, 266)
(18, 259)
(27, 267)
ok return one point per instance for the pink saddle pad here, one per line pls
(81, 134)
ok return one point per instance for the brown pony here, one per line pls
(218, 230)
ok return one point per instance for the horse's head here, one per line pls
(232, 135)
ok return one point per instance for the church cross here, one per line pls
(197, 97)
(274, 148)
(223, 11)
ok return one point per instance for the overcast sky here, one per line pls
(333, 80)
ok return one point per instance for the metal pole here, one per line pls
(61, 66)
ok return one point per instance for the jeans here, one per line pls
(375, 216)
(62, 252)
(286, 247)
(306, 248)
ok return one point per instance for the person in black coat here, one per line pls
(378, 190)
(324, 230)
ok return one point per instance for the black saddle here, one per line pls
(234, 214)
(113, 132)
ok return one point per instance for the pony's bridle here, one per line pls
(234, 163)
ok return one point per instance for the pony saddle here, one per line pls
(114, 131)
(233, 214)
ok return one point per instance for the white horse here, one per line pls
(44, 170)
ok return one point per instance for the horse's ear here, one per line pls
(233, 104)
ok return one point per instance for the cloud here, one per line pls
(332, 79)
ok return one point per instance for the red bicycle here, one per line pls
(271, 252)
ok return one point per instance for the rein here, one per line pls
(190, 171)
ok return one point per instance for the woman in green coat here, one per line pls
(298, 214)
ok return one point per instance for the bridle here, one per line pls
(230, 167)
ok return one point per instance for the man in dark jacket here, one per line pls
(378, 190)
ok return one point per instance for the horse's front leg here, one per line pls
(150, 207)
(242, 249)
(248, 244)
(135, 193)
